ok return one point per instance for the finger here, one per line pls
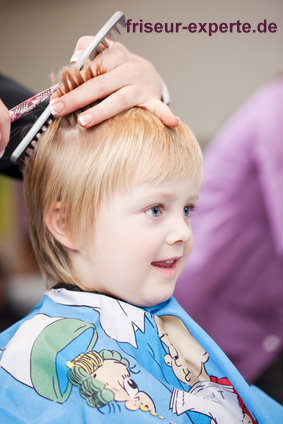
(92, 90)
(4, 127)
(112, 57)
(162, 111)
(112, 105)
(123, 100)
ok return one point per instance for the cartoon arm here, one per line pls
(184, 401)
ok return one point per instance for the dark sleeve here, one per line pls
(12, 93)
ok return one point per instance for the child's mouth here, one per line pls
(168, 263)
(166, 266)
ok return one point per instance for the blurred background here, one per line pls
(208, 79)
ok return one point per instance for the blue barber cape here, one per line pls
(88, 358)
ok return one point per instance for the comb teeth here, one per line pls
(110, 36)
(105, 32)
(34, 141)
(98, 49)
(29, 152)
(31, 145)
(104, 42)
(115, 28)
(122, 21)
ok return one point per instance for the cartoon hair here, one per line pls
(90, 387)
(82, 167)
(89, 361)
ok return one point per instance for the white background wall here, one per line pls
(208, 77)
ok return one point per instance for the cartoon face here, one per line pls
(116, 378)
(185, 355)
(247, 419)
(140, 242)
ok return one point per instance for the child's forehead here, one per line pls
(189, 181)
(168, 189)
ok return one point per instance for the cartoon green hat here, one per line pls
(55, 345)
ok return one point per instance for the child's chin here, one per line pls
(160, 298)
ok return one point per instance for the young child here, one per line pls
(109, 212)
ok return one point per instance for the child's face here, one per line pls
(140, 242)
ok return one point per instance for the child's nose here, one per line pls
(181, 233)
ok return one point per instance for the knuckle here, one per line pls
(133, 72)
(120, 54)
(120, 47)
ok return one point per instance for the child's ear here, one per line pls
(58, 227)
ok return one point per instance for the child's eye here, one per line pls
(154, 211)
(187, 210)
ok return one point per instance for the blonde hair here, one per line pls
(81, 167)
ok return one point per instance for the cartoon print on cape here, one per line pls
(44, 345)
(102, 377)
(63, 355)
(187, 359)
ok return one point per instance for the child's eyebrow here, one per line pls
(165, 195)
(156, 197)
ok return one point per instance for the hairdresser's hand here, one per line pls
(4, 127)
(129, 81)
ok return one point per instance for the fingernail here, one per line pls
(84, 120)
(75, 56)
(178, 119)
(2, 153)
(56, 106)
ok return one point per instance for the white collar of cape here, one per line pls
(119, 320)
